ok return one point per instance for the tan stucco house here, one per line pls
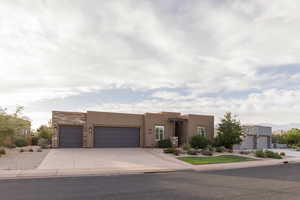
(106, 129)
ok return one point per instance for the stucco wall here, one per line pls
(153, 119)
(248, 142)
(145, 122)
(193, 121)
(262, 142)
(114, 120)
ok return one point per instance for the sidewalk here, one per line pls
(48, 173)
(259, 163)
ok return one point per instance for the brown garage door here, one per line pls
(116, 137)
(70, 136)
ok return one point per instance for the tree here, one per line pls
(229, 131)
(12, 124)
(19, 111)
(45, 132)
(291, 136)
(6, 128)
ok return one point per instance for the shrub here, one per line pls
(11, 146)
(186, 147)
(43, 143)
(220, 149)
(271, 154)
(164, 143)
(282, 153)
(244, 152)
(192, 152)
(34, 140)
(45, 132)
(177, 152)
(199, 142)
(210, 148)
(21, 142)
(230, 150)
(30, 150)
(207, 152)
(259, 153)
(276, 156)
(22, 150)
(2, 152)
(170, 150)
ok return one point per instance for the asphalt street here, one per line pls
(275, 182)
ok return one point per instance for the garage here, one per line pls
(116, 137)
(70, 136)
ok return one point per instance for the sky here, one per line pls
(136, 56)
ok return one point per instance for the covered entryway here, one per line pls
(116, 137)
(70, 136)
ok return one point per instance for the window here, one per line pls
(201, 131)
(159, 132)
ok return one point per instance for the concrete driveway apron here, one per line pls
(109, 159)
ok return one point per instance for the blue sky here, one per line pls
(204, 57)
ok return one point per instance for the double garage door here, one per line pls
(71, 137)
(116, 137)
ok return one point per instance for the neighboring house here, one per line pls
(106, 129)
(24, 126)
(256, 137)
(25, 130)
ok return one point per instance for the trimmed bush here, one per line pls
(210, 148)
(177, 152)
(199, 142)
(267, 154)
(22, 150)
(260, 153)
(271, 154)
(2, 152)
(170, 150)
(186, 147)
(244, 152)
(230, 150)
(21, 142)
(220, 149)
(164, 143)
(30, 150)
(282, 153)
(34, 140)
(43, 143)
(207, 152)
(192, 152)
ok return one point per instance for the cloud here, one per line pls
(270, 106)
(59, 49)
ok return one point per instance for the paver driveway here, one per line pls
(109, 159)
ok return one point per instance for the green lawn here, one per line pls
(214, 159)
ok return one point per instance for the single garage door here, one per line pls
(116, 137)
(70, 136)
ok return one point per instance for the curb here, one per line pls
(40, 174)
(57, 174)
(228, 166)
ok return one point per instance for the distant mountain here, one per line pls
(285, 127)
